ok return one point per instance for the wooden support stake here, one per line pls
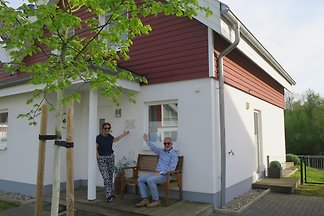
(69, 162)
(41, 163)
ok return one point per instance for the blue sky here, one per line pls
(291, 30)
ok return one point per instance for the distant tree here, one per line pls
(304, 124)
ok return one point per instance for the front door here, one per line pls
(258, 142)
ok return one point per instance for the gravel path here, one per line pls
(244, 199)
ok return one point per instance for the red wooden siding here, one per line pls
(176, 49)
(243, 74)
(83, 32)
(39, 57)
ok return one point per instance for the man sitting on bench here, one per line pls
(168, 159)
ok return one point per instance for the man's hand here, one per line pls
(126, 132)
(145, 137)
(157, 174)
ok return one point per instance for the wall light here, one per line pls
(118, 112)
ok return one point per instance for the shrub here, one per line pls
(274, 164)
(292, 158)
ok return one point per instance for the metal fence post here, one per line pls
(305, 168)
(301, 170)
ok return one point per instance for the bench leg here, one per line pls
(180, 192)
(167, 196)
(123, 187)
(136, 188)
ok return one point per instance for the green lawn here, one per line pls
(6, 205)
(313, 175)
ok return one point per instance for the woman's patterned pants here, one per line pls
(106, 166)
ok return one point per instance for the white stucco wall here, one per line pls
(240, 134)
(18, 161)
(196, 121)
(195, 129)
(198, 134)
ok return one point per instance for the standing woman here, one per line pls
(106, 157)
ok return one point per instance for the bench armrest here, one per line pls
(173, 172)
(132, 167)
(177, 173)
(134, 171)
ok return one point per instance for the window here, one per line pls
(3, 129)
(71, 32)
(112, 29)
(163, 122)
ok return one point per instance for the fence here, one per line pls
(311, 169)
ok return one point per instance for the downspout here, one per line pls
(226, 12)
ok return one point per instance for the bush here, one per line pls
(274, 164)
(292, 158)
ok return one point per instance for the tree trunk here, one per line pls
(57, 158)
(69, 162)
(41, 163)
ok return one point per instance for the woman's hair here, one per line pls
(105, 124)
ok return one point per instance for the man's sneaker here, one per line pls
(110, 198)
(144, 202)
(154, 204)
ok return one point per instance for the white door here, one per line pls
(258, 141)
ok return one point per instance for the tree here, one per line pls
(47, 29)
(56, 32)
(304, 119)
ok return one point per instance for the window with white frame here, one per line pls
(163, 121)
(3, 128)
(111, 26)
(71, 32)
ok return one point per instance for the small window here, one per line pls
(163, 122)
(111, 30)
(3, 129)
(71, 32)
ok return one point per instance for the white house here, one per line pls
(225, 110)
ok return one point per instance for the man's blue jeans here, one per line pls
(151, 181)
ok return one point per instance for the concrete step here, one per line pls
(282, 185)
(287, 165)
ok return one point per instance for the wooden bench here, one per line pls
(148, 163)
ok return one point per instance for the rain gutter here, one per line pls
(236, 26)
(14, 82)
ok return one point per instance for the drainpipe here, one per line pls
(236, 25)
